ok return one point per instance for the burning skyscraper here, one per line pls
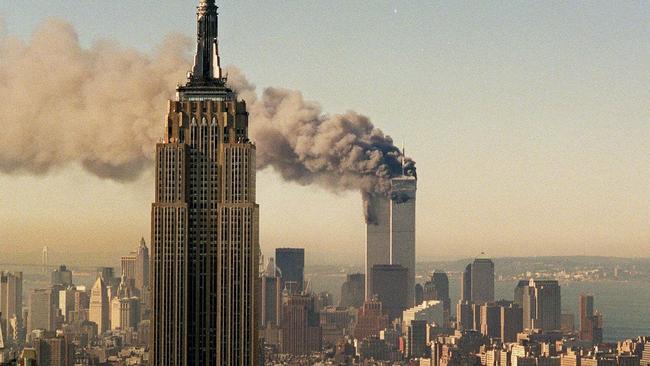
(390, 230)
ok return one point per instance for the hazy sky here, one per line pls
(529, 122)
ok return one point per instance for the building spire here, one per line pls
(207, 68)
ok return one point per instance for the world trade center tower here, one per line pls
(390, 233)
(204, 225)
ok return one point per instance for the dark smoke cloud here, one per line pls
(103, 108)
(337, 152)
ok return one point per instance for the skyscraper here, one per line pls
(135, 267)
(477, 284)
(371, 319)
(127, 263)
(541, 304)
(482, 287)
(390, 287)
(98, 311)
(67, 302)
(142, 268)
(291, 262)
(591, 329)
(204, 227)
(270, 300)
(438, 289)
(11, 304)
(390, 232)
(353, 290)
(511, 322)
(416, 338)
(301, 331)
(491, 320)
(54, 351)
(62, 276)
(42, 309)
(466, 284)
(125, 308)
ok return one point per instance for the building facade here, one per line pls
(204, 246)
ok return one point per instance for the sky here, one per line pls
(528, 122)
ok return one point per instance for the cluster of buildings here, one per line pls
(297, 325)
(66, 324)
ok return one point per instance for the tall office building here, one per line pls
(98, 311)
(491, 320)
(482, 287)
(62, 276)
(110, 280)
(124, 307)
(301, 331)
(67, 302)
(541, 304)
(438, 289)
(142, 268)
(53, 351)
(390, 286)
(127, 263)
(81, 305)
(390, 232)
(291, 262)
(270, 299)
(371, 319)
(511, 322)
(135, 267)
(464, 315)
(11, 305)
(43, 310)
(353, 290)
(204, 227)
(591, 322)
(416, 338)
(466, 284)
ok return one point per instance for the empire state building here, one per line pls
(204, 221)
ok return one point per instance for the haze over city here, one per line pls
(529, 126)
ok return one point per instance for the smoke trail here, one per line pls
(101, 108)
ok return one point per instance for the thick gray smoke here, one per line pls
(103, 108)
(100, 107)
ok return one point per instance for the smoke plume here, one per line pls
(102, 108)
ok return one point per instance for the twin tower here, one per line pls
(390, 241)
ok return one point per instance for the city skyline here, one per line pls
(519, 151)
(528, 127)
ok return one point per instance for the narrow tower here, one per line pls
(204, 237)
